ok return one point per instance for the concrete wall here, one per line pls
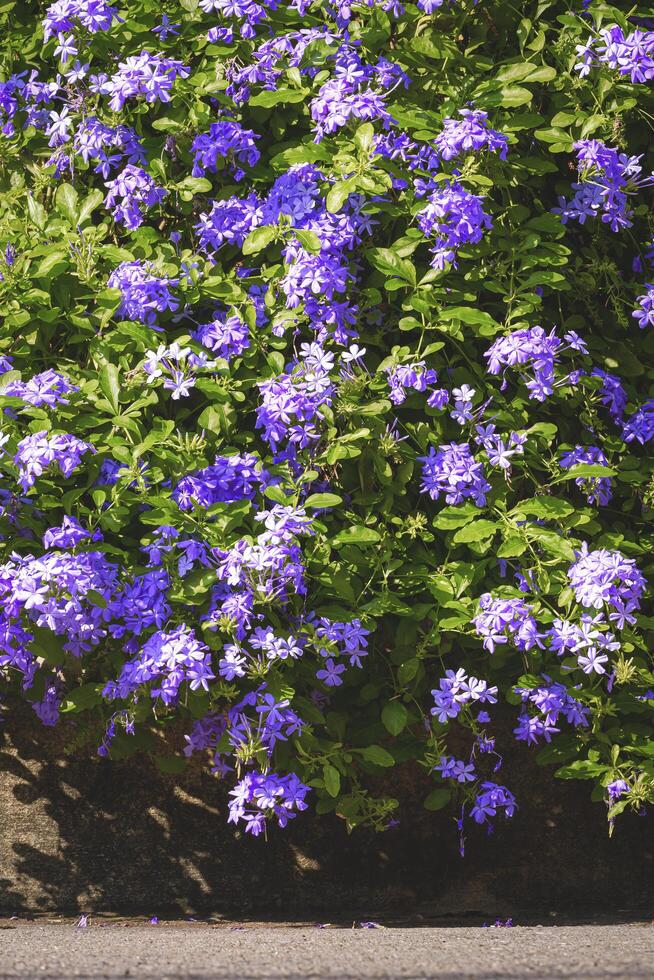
(78, 833)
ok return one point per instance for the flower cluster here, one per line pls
(502, 621)
(65, 16)
(552, 700)
(143, 293)
(227, 336)
(457, 691)
(47, 388)
(596, 488)
(149, 75)
(178, 366)
(607, 179)
(604, 578)
(228, 479)
(452, 470)
(258, 795)
(355, 92)
(630, 54)
(36, 453)
(129, 192)
(169, 659)
(453, 218)
(469, 134)
(539, 351)
(226, 143)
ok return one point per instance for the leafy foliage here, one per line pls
(327, 349)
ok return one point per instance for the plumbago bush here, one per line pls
(327, 393)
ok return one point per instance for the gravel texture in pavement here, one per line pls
(250, 952)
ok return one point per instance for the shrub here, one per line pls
(327, 367)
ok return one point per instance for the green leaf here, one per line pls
(219, 418)
(364, 137)
(526, 71)
(394, 717)
(586, 470)
(378, 756)
(356, 534)
(477, 531)
(390, 263)
(96, 599)
(339, 194)
(194, 185)
(109, 377)
(89, 204)
(408, 670)
(437, 799)
(258, 239)
(281, 95)
(82, 698)
(513, 545)
(582, 769)
(468, 314)
(307, 239)
(52, 264)
(332, 779)
(36, 212)
(545, 507)
(66, 201)
(48, 645)
(456, 516)
(510, 96)
(320, 500)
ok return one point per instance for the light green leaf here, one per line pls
(258, 239)
(66, 201)
(378, 756)
(320, 500)
(477, 531)
(356, 534)
(394, 717)
(89, 204)
(390, 263)
(109, 377)
(332, 779)
(307, 239)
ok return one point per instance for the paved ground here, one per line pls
(171, 951)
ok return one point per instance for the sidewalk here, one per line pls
(249, 952)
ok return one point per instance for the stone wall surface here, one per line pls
(79, 833)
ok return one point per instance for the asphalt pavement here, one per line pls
(251, 952)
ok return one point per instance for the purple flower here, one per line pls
(226, 144)
(607, 578)
(230, 478)
(259, 797)
(596, 488)
(129, 192)
(501, 621)
(609, 178)
(144, 294)
(453, 218)
(451, 768)
(37, 452)
(453, 470)
(165, 28)
(489, 800)
(471, 133)
(148, 75)
(48, 388)
(330, 675)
